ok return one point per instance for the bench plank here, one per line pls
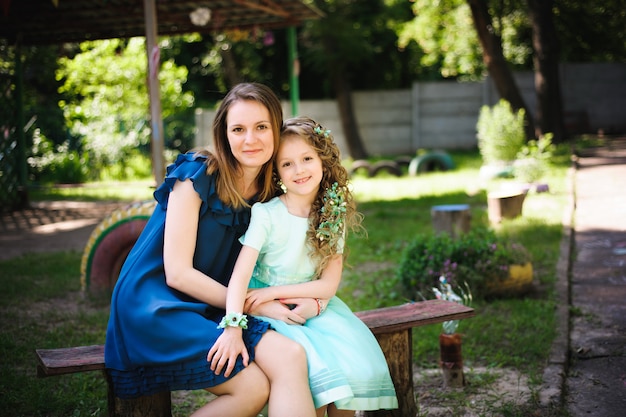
(69, 360)
(409, 315)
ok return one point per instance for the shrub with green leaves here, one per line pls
(474, 258)
(500, 133)
(534, 158)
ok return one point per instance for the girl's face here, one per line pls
(299, 166)
(250, 133)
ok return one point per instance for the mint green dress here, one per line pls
(346, 365)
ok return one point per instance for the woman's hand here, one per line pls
(226, 349)
(304, 307)
(279, 311)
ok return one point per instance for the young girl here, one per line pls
(294, 247)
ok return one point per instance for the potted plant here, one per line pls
(532, 161)
(492, 265)
(500, 134)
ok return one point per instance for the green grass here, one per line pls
(42, 306)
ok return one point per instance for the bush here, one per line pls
(500, 133)
(50, 164)
(533, 159)
(475, 258)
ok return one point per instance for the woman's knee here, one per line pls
(250, 382)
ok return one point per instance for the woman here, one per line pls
(171, 292)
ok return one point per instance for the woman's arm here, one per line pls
(325, 287)
(181, 229)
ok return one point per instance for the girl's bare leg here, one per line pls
(243, 395)
(284, 363)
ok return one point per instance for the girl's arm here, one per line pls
(230, 344)
(325, 287)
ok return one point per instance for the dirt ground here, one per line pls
(50, 226)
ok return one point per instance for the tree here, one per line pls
(549, 113)
(497, 65)
(355, 46)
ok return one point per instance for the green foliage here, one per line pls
(56, 164)
(533, 159)
(445, 31)
(476, 258)
(500, 132)
(107, 101)
(134, 166)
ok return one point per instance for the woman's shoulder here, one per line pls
(188, 166)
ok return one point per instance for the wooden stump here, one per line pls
(453, 219)
(505, 205)
(157, 405)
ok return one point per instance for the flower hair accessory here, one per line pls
(322, 132)
(333, 213)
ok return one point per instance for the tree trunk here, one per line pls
(229, 66)
(348, 118)
(496, 63)
(549, 113)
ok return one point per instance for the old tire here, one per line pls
(432, 161)
(360, 165)
(391, 167)
(109, 245)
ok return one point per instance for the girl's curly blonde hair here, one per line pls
(322, 249)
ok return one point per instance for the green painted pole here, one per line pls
(294, 69)
(20, 136)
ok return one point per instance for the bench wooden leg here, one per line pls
(157, 405)
(398, 350)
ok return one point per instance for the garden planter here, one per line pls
(518, 281)
(451, 360)
(505, 205)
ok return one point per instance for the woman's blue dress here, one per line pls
(346, 365)
(157, 337)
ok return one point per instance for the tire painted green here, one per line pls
(109, 245)
(432, 161)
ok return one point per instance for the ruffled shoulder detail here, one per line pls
(192, 166)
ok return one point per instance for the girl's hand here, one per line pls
(226, 349)
(276, 310)
(258, 296)
(304, 307)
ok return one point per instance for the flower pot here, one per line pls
(518, 281)
(505, 205)
(451, 360)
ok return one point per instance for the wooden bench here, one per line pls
(392, 327)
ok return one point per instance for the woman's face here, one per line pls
(250, 133)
